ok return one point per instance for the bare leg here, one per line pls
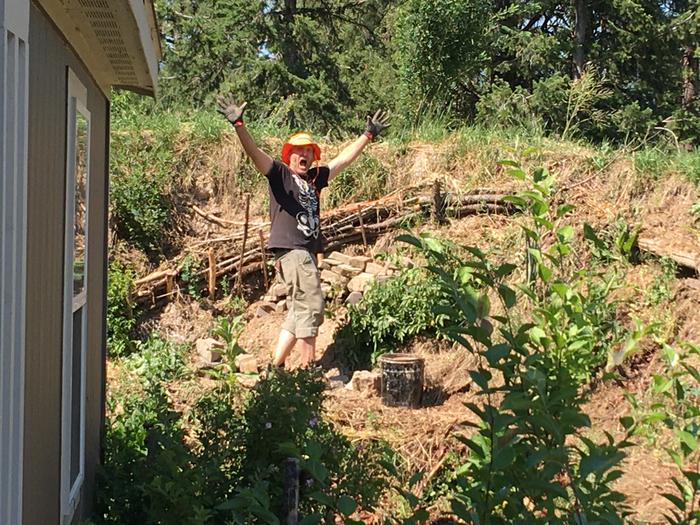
(307, 349)
(285, 343)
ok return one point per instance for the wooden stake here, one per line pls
(264, 260)
(362, 227)
(290, 498)
(245, 238)
(212, 274)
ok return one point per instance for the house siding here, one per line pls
(49, 58)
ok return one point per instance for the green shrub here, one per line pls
(284, 418)
(121, 320)
(143, 478)
(390, 314)
(364, 179)
(221, 461)
(530, 458)
(141, 213)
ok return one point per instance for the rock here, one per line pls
(340, 257)
(354, 298)
(209, 350)
(336, 384)
(347, 271)
(324, 265)
(360, 282)
(332, 373)
(374, 268)
(247, 381)
(333, 278)
(265, 309)
(246, 363)
(281, 306)
(277, 290)
(359, 261)
(365, 381)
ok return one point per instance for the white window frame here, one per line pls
(14, 95)
(70, 492)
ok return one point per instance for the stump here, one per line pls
(402, 380)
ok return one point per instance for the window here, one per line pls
(75, 297)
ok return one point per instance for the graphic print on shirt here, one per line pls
(308, 221)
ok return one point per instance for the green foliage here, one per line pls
(442, 48)
(229, 330)
(228, 470)
(320, 65)
(660, 289)
(676, 406)
(191, 277)
(390, 313)
(364, 179)
(530, 459)
(121, 320)
(284, 419)
(142, 479)
(614, 243)
(140, 210)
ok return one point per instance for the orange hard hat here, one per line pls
(300, 139)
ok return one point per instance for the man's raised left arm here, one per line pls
(375, 125)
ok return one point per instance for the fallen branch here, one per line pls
(681, 257)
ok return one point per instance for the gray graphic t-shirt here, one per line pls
(294, 207)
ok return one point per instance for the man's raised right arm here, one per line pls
(234, 114)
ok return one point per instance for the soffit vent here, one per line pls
(106, 28)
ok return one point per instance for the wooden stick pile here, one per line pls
(240, 252)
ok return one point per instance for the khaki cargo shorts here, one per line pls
(299, 272)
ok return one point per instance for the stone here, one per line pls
(359, 261)
(277, 290)
(366, 382)
(209, 350)
(265, 309)
(339, 256)
(348, 271)
(332, 372)
(324, 265)
(247, 381)
(246, 363)
(374, 268)
(333, 278)
(354, 298)
(281, 306)
(360, 282)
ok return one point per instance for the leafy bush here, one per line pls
(140, 210)
(284, 420)
(530, 460)
(143, 478)
(679, 390)
(391, 313)
(120, 315)
(221, 462)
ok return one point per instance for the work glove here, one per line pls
(376, 124)
(229, 109)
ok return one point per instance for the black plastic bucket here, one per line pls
(402, 379)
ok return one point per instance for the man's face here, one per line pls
(300, 159)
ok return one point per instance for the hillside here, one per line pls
(630, 260)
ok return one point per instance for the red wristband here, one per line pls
(369, 135)
(238, 123)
